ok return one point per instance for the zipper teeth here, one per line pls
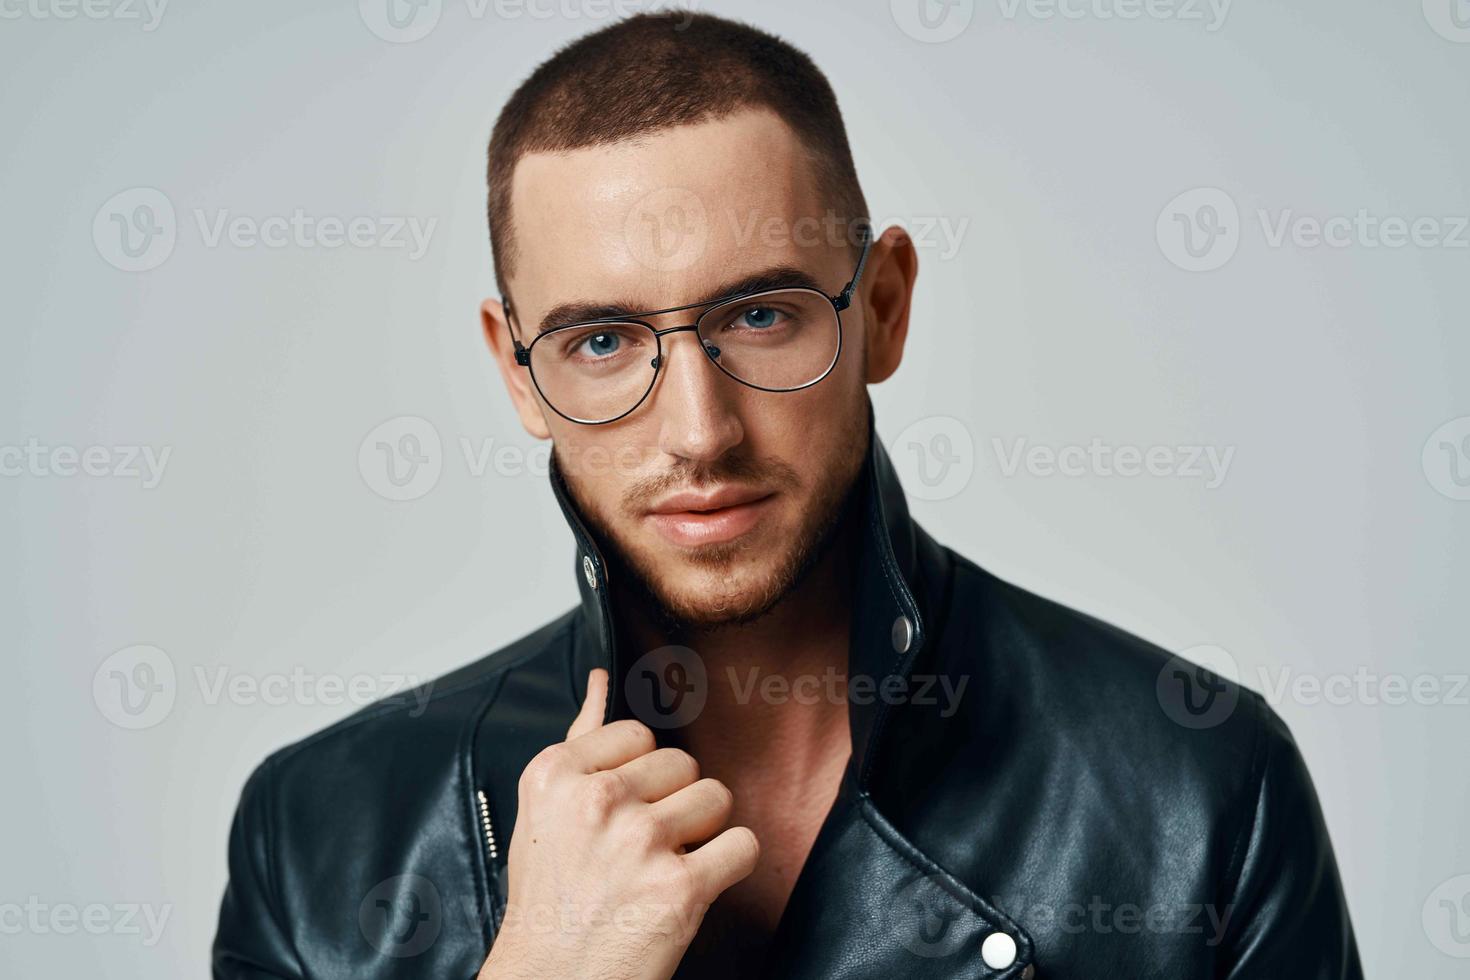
(485, 823)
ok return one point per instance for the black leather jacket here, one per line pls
(1065, 817)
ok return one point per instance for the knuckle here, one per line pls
(647, 829)
(686, 763)
(640, 734)
(599, 794)
(541, 771)
(719, 794)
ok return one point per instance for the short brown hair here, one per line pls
(656, 71)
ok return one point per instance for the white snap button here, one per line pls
(589, 571)
(903, 634)
(998, 951)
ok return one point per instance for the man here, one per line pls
(785, 733)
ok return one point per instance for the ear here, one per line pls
(517, 378)
(893, 264)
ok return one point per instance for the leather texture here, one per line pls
(1087, 807)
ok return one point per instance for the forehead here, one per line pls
(654, 220)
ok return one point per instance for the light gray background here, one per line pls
(1052, 145)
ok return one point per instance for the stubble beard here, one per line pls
(679, 615)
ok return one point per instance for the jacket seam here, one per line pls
(1259, 760)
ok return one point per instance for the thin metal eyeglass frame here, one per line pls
(840, 302)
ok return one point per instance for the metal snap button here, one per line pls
(903, 634)
(589, 571)
(998, 951)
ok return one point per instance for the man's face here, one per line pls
(716, 495)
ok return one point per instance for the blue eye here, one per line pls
(602, 344)
(758, 317)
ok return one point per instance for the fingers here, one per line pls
(654, 776)
(722, 862)
(610, 746)
(594, 705)
(694, 813)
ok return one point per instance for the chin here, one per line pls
(726, 584)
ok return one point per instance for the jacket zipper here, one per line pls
(486, 825)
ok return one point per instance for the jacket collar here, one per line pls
(889, 605)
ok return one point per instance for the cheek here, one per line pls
(603, 460)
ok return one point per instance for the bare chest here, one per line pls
(786, 817)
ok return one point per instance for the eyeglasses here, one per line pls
(598, 371)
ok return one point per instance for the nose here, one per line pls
(694, 402)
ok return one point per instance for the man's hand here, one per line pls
(606, 879)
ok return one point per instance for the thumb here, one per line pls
(590, 717)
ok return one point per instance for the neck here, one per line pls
(773, 688)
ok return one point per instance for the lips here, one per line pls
(696, 502)
(693, 518)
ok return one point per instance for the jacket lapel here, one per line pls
(870, 904)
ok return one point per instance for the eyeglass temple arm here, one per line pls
(844, 299)
(522, 353)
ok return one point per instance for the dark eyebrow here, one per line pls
(774, 277)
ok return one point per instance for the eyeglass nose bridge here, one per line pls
(710, 350)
